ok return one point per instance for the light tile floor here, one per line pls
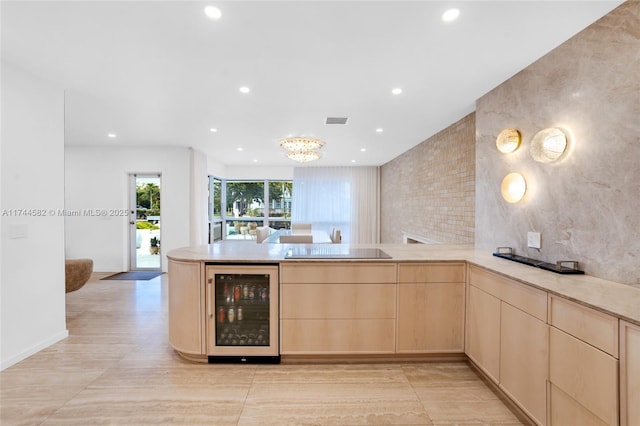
(117, 368)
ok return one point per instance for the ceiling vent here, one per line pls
(336, 120)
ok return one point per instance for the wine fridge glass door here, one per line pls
(242, 310)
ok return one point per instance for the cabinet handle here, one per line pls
(209, 284)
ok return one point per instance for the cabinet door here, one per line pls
(430, 317)
(186, 307)
(629, 374)
(588, 376)
(483, 331)
(524, 355)
(337, 336)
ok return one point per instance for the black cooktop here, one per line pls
(334, 251)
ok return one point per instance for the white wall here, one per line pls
(215, 168)
(98, 178)
(32, 266)
(257, 172)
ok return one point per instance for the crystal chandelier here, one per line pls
(303, 156)
(302, 149)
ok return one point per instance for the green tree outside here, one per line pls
(148, 198)
(244, 193)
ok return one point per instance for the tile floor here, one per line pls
(117, 368)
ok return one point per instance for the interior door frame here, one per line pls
(133, 258)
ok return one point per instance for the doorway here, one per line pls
(145, 224)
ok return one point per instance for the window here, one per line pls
(236, 207)
(215, 209)
(280, 204)
(244, 207)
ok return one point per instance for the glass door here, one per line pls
(144, 235)
(243, 311)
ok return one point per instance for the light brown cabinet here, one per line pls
(583, 373)
(524, 353)
(483, 331)
(507, 337)
(629, 374)
(337, 308)
(186, 308)
(584, 382)
(431, 301)
(561, 362)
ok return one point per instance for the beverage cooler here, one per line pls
(242, 313)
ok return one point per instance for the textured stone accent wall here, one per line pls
(587, 205)
(429, 190)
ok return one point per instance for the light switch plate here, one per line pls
(18, 230)
(533, 239)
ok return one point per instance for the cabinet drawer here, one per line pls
(523, 297)
(338, 272)
(337, 301)
(589, 325)
(566, 411)
(586, 374)
(337, 336)
(431, 273)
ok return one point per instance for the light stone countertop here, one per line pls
(610, 297)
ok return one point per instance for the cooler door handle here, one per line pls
(209, 287)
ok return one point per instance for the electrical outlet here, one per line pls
(533, 239)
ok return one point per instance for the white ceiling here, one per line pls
(163, 74)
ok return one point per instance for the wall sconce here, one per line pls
(513, 187)
(548, 145)
(508, 140)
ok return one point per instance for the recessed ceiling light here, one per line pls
(255, 160)
(353, 161)
(363, 149)
(379, 130)
(212, 12)
(396, 91)
(239, 148)
(213, 130)
(244, 89)
(112, 135)
(450, 15)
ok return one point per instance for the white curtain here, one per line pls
(344, 197)
(199, 213)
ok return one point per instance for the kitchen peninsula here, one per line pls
(564, 348)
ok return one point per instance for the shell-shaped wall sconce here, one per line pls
(508, 140)
(548, 145)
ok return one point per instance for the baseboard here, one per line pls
(372, 358)
(33, 349)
